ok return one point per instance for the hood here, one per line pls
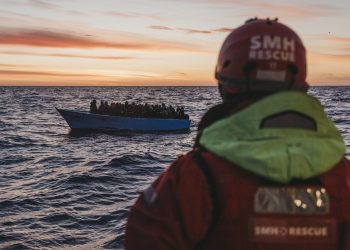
(279, 154)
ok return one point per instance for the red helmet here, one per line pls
(261, 56)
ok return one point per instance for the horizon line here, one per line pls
(112, 86)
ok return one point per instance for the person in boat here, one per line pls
(93, 107)
(138, 110)
(101, 107)
(268, 169)
(107, 108)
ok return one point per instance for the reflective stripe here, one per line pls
(291, 200)
(150, 195)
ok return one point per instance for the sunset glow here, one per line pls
(157, 42)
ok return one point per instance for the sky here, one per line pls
(155, 42)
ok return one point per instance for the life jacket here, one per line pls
(251, 212)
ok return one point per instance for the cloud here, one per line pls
(118, 14)
(68, 55)
(43, 4)
(286, 11)
(39, 4)
(93, 57)
(225, 30)
(7, 65)
(4, 19)
(20, 18)
(41, 38)
(53, 39)
(194, 31)
(157, 27)
(133, 15)
(301, 11)
(40, 73)
(191, 31)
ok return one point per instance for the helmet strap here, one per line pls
(247, 69)
(294, 71)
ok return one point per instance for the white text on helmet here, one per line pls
(272, 48)
(272, 42)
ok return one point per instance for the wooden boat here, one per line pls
(79, 120)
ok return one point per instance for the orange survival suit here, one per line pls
(204, 200)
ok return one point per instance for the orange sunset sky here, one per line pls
(155, 42)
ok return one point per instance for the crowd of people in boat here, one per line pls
(138, 110)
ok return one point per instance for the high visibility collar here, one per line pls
(279, 154)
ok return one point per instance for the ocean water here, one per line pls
(62, 190)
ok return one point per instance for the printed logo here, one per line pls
(272, 48)
(292, 230)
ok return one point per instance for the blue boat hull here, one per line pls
(86, 120)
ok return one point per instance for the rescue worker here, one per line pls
(268, 170)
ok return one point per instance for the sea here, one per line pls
(65, 190)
